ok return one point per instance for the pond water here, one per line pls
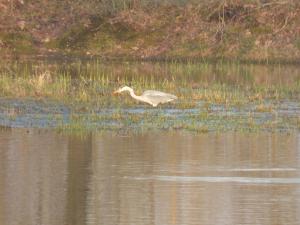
(152, 178)
(226, 152)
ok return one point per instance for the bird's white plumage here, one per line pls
(151, 97)
(157, 93)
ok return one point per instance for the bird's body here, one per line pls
(151, 97)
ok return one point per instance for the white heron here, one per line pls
(151, 97)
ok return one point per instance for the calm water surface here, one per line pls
(153, 178)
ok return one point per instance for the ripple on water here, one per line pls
(247, 180)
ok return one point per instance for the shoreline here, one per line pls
(162, 59)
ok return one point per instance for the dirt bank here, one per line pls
(246, 30)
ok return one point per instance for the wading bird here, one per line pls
(151, 97)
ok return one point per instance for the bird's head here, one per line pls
(121, 89)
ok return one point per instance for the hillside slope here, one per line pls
(246, 30)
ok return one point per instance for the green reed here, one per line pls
(226, 83)
(86, 89)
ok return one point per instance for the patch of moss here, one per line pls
(297, 43)
(75, 38)
(116, 38)
(100, 42)
(261, 29)
(151, 38)
(121, 31)
(21, 43)
(188, 49)
(246, 44)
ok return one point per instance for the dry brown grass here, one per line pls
(236, 29)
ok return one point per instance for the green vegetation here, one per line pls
(212, 97)
(22, 43)
(192, 49)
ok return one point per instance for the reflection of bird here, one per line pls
(151, 97)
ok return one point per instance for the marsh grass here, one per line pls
(264, 108)
(215, 93)
(95, 81)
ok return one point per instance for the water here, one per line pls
(212, 97)
(150, 178)
(150, 168)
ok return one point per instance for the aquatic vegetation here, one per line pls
(263, 108)
(211, 97)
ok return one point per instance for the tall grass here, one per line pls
(93, 82)
(221, 96)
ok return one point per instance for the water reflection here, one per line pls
(154, 178)
(33, 177)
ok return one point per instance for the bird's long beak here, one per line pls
(115, 92)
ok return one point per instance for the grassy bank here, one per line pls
(244, 30)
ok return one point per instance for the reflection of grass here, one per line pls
(86, 90)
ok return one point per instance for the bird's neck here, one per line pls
(132, 94)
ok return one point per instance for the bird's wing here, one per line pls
(158, 94)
